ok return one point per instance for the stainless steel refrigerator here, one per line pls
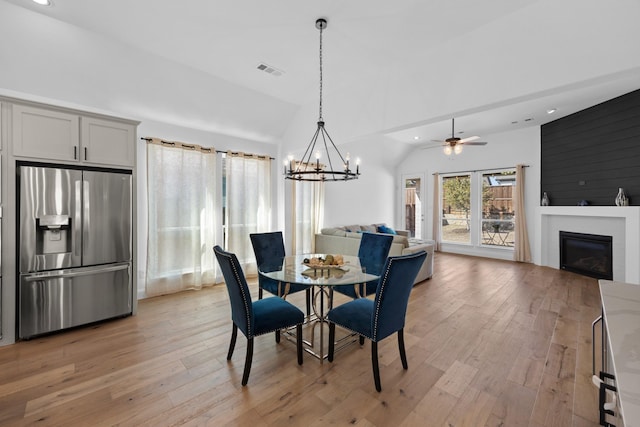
(75, 246)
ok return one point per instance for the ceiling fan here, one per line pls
(454, 144)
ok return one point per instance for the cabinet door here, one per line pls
(45, 134)
(106, 142)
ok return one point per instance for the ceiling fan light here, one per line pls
(447, 150)
(457, 149)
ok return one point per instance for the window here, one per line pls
(247, 203)
(497, 208)
(181, 190)
(308, 214)
(456, 208)
(477, 208)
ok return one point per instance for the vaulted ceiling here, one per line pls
(397, 68)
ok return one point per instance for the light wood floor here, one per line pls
(489, 343)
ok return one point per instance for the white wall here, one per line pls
(503, 150)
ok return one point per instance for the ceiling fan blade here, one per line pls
(436, 144)
(471, 138)
(474, 143)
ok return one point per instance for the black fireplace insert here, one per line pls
(587, 254)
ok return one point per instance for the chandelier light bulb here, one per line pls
(447, 150)
(457, 149)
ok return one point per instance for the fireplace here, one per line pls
(587, 254)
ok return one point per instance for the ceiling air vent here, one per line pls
(269, 69)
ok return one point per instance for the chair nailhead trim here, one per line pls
(384, 284)
(244, 297)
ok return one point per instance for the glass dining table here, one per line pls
(322, 280)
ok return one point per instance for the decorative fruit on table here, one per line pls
(328, 260)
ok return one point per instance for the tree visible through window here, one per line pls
(456, 203)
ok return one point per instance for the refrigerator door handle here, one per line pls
(77, 225)
(74, 273)
(86, 217)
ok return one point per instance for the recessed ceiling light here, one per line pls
(551, 110)
(529, 119)
(416, 138)
(43, 2)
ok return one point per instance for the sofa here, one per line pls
(346, 241)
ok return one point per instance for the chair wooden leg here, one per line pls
(332, 340)
(403, 354)
(278, 336)
(374, 362)
(247, 362)
(308, 292)
(361, 340)
(232, 345)
(259, 292)
(299, 342)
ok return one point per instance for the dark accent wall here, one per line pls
(590, 154)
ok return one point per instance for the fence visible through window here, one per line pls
(498, 216)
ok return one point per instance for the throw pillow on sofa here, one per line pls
(369, 228)
(386, 230)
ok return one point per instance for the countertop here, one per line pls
(621, 308)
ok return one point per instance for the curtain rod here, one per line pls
(479, 170)
(260, 156)
(177, 144)
(205, 149)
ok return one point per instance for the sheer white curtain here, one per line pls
(181, 187)
(437, 222)
(307, 216)
(522, 250)
(248, 204)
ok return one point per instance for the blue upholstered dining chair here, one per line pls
(257, 317)
(269, 251)
(373, 252)
(377, 319)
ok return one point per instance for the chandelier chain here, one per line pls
(320, 112)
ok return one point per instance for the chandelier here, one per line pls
(330, 167)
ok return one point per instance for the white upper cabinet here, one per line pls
(45, 134)
(54, 135)
(107, 142)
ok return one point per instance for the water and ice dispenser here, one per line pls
(53, 234)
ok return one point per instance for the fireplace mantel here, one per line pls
(621, 222)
